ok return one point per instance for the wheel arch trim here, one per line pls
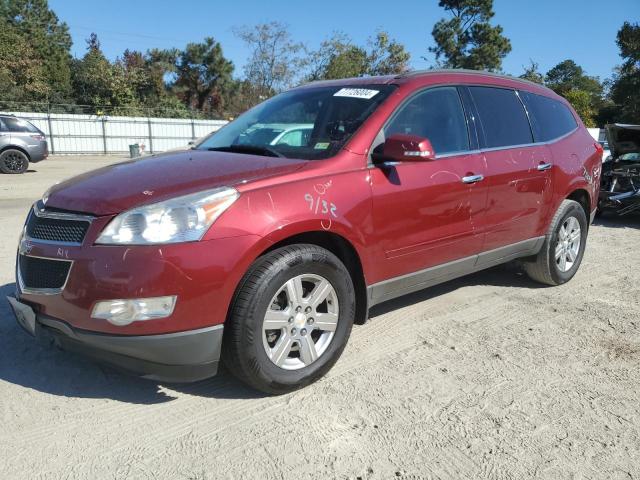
(16, 147)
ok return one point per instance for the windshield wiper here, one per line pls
(250, 149)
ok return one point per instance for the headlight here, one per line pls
(180, 219)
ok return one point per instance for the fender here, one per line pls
(339, 204)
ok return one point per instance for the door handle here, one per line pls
(544, 166)
(472, 178)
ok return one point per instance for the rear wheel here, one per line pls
(13, 161)
(290, 319)
(563, 249)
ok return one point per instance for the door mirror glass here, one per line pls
(400, 147)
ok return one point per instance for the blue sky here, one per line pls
(547, 31)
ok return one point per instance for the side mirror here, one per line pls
(407, 148)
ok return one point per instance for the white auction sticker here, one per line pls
(356, 93)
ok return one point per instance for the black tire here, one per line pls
(13, 161)
(243, 351)
(545, 268)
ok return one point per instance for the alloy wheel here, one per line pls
(13, 160)
(568, 244)
(300, 321)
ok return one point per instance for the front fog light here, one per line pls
(124, 312)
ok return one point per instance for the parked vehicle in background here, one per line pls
(293, 135)
(620, 189)
(273, 134)
(20, 143)
(264, 254)
(600, 136)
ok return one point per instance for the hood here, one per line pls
(623, 139)
(122, 186)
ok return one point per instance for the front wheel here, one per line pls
(290, 319)
(563, 248)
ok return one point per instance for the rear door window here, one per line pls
(550, 119)
(17, 125)
(435, 114)
(502, 116)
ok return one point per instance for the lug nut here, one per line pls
(307, 310)
(310, 321)
(303, 331)
(293, 331)
(290, 320)
(298, 308)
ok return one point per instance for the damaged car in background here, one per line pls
(620, 188)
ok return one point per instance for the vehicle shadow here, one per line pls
(45, 368)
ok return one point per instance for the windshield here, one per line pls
(310, 123)
(630, 157)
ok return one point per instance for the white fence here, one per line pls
(91, 134)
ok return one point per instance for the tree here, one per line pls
(467, 39)
(241, 97)
(144, 74)
(160, 65)
(274, 59)
(339, 57)
(98, 83)
(203, 75)
(567, 75)
(48, 38)
(22, 76)
(346, 61)
(532, 73)
(582, 102)
(386, 56)
(625, 89)
(584, 92)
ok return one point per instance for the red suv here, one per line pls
(263, 245)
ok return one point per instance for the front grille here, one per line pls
(39, 273)
(56, 229)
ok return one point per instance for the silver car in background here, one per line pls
(20, 143)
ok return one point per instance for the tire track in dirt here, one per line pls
(213, 427)
(116, 415)
(235, 414)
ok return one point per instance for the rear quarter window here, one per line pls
(550, 118)
(503, 117)
(19, 126)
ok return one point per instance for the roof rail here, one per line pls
(417, 73)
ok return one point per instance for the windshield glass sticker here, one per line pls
(363, 93)
(321, 145)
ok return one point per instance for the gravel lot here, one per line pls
(490, 376)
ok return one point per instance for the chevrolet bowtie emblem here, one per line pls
(25, 246)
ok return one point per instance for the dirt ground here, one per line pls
(490, 376)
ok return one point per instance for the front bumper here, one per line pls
(203, 275)
(58, 299)
(175, 357)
